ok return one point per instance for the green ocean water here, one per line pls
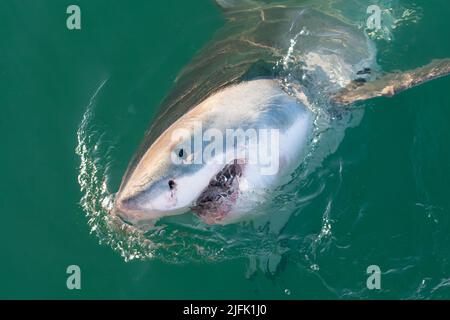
(384, 194)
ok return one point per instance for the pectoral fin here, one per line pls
(392, 83)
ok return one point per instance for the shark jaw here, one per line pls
(219, 197)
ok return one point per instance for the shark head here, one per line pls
(222, 149)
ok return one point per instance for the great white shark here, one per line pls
(237, 83)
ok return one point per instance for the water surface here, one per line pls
(381, 198)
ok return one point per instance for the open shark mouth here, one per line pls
(218, 198)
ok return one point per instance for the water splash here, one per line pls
(392, 18)
(97, 200)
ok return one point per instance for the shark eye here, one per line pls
(181, 153)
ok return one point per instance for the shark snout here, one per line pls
(128, 209)
(145, 205)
